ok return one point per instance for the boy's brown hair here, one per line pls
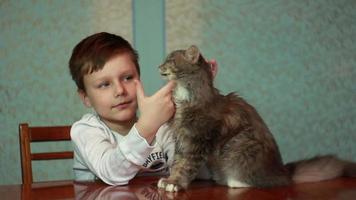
(91, 54)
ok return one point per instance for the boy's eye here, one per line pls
(104, 85)
(128, 78)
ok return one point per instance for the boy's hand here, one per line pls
(213, 66)
(155, 110)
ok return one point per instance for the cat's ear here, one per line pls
(192, 54)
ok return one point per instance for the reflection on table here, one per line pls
(144, 188)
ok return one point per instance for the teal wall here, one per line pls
(294, 60)
(149, 40)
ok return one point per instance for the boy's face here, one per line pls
(112, 91)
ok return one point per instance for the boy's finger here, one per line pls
(213, 67)
(139, 90)
(167, 88)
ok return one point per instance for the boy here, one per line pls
(112, 144)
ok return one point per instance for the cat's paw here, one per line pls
(169, 185)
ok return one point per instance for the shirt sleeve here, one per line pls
(115, 163)
(164, 137)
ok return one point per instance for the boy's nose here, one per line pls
(119, 89)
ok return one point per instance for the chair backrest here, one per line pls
(28, 135)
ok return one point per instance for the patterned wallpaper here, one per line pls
(293, 60)
(184, 24)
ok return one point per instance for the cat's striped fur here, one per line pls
(228, 135)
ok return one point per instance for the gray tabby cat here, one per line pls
(228, 135)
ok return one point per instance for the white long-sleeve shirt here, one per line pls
(101, 153)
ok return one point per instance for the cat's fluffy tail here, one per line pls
(320, 168)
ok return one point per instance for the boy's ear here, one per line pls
(83, 96)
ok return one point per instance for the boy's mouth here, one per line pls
(122, 105)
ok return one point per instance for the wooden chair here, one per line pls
(28, 135)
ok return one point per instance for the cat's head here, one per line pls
(183, 63)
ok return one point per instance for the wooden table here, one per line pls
(144, 188)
